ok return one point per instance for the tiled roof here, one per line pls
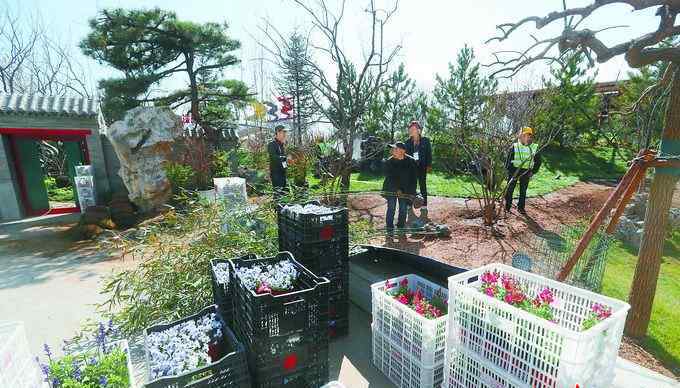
(35, 104)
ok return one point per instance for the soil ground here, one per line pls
(472, 244)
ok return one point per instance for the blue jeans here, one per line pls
(403, 210)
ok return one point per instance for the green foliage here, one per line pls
(112, 366)
(295, 80)
(394, 107)
(179, 175)
(572, 105)
(58, 194)
(663, 337)
(172, 278)
(150, 45)
(460, 99)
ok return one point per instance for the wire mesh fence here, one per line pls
(545, 254)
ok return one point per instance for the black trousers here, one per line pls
(523, 176)
(422, 184)
(279, 185)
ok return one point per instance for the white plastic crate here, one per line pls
(464, 370)
(421, 338)
(527, 350)
(400, 368)
(18, 368)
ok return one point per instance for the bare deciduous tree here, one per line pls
(33, 61)
(345, 99)
(639, 51)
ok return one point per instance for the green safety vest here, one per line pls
(524, 155)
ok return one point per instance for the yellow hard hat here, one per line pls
(527, 131)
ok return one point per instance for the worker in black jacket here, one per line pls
(277, 160)
(420, 149)
(522, 163)
(399, 185)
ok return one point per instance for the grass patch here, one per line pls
(663, 338)
(58, 194)
(561, 168)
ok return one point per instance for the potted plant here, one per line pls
(107, 364)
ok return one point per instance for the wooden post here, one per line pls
(597, 221)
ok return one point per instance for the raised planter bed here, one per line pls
(521, 349)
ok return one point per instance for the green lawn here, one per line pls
(663, 339)
(561, 168)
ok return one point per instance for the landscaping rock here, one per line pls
(144, 141)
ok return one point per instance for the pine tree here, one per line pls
(462, 96)
(295, 81)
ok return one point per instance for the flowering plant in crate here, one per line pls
(433, 308)
(108, 364)
(184, 347)
(275, 278)
(534, 330)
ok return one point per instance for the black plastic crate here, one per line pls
(330, 226)
(338, 300)
(320, 256)
(230, 371)
(268, 315)
(222, 294)
(297, 360)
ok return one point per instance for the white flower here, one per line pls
(307, 209)
(221, 271)
(183, 347)
(279, 276)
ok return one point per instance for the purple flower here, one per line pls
(48, 352)
(45, 369)
(56, 382)
(103, 381)
(77, 374)
(388, 285)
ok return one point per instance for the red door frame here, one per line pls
(43, 134)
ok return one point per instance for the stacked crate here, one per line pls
(229, 371)
(285, 335)
(321, 243)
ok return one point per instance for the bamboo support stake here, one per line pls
(597, 221)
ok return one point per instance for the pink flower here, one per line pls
(508, 282)
(403, 299)
(435, 312)
(418, 296)
(388, 285)
(602, 312)
(490, 292)
(263, 288)
(546, 296)
(489, 277)
(420, 308)
(514, 297)
(403, 282)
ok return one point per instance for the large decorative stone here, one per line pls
(144, 141)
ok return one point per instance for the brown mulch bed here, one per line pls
(472, 244)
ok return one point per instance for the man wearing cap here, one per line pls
(522, 163)
(420, 149)
(399, 185)
(277, 160)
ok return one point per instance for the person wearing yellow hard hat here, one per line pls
(522, 163)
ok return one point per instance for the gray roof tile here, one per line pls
(37, 104)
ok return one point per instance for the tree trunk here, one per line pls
(643, 289)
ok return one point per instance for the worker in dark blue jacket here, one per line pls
(420, 149)
(399, 185)
(278, 164)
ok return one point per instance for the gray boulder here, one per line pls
(144, 141)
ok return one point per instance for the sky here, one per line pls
(430, 32)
